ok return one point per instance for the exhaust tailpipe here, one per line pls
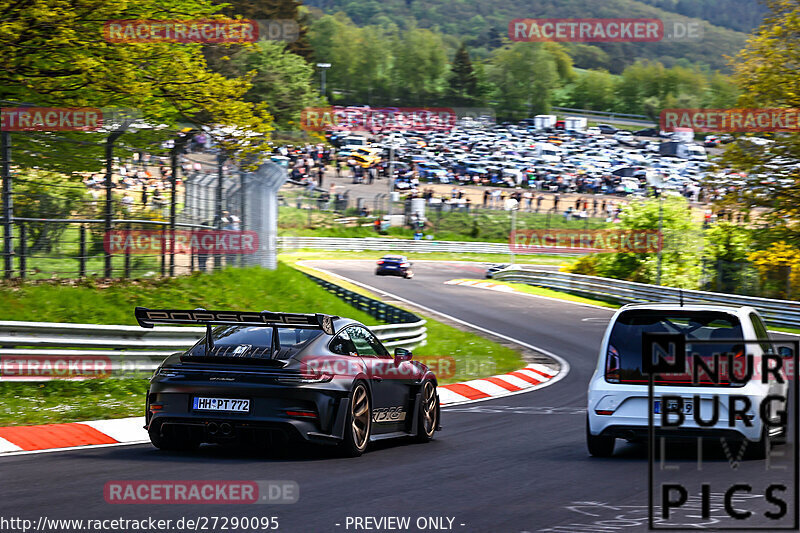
(225, 428)
(213, 428)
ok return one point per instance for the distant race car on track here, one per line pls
(394, 265)
(263, 378)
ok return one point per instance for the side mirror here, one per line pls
(785, 352)
(401, 354)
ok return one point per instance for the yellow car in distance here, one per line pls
(366, 157)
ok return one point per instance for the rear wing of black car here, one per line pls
(147, 318)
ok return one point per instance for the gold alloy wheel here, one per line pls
(361, 417)
(429, 407)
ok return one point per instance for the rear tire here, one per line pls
(428, 416)
(758, 450)
(358, 424)
(599, 446)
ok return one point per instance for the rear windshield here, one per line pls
(252, 343)
(624, 354)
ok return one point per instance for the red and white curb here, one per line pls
(32, 439)
(523, 380)
(481, 284)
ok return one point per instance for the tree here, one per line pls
(43, 194)
(280, 78)
(680, 254)
(594, 89)
(588, 56)
(420, 67)
(779, 268)
(463, 82)
(524, 76)
(726, 248)
(766, 72)
(52, 56)
(272, 10)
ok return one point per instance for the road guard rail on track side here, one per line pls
(400, 245)
(404, 329)
(135, 351)
(780, 313)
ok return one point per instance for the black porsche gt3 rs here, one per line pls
(266, 378)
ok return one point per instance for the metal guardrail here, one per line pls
(780, 313)
(405, 329)
(135, 351)
(607, 116)
(602, 113)
(402, 245)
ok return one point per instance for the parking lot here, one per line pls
(508, 156)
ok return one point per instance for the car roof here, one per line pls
(691, 307)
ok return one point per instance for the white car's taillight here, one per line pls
(612, 365)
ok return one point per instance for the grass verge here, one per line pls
(55, 402)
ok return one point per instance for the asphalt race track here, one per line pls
(512, 464)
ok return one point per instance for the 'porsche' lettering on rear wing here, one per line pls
(149, 317)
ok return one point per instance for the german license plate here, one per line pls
(687, 406)
(221, 404)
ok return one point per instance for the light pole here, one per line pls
(324, 67)
(513, 240)
(660, 237)
(391, 179)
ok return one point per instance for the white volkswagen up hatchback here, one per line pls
(618, 391)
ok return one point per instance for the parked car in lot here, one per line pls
(618, 399)
(394, 265)
(607, 129)
(625, 137)
(648, 132)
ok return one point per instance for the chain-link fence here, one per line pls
(66, 197)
